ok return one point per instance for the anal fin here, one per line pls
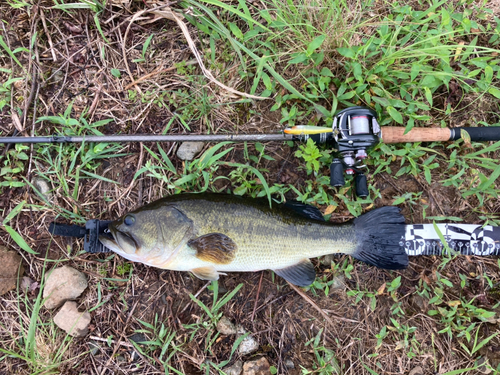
(206, 273)
(300, 274)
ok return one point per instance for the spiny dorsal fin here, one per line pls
(305, 210)
(214, 248)
(300, 274)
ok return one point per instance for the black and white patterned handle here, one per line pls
(466, 239)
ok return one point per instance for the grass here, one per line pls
(416, 63)
(31, 338)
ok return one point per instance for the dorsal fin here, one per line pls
(305, 210)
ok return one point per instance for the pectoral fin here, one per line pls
(214, 248)
(206, 273)
(300, 274)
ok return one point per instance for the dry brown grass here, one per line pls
(72, 64)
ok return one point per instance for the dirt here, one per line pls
(284, 323)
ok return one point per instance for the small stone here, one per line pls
(240, 330)
(482, 366)
(248, 345)
(226, 327)
(234, 369)
(222, 289)
(72, 321)
(258, 367)
(188, 150)
(289, 364)
(43, 188)
(327, 260)
(416, 371)
(419, 302)
(138, 338)
(135, 356)
(64, 283)
(338, 283)
(94, 347)
(26, 283)
(10, 269)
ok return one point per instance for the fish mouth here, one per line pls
(118, 242)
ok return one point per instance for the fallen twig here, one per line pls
(163, 11)
(319, 309)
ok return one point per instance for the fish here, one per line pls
(210, 234)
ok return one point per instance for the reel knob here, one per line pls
(337, 173)
(361, 185)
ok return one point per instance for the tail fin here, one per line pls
(379, 233)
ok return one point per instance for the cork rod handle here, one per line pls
(394, 134)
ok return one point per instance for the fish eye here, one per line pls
(129, 220)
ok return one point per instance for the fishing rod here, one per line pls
(354, 131)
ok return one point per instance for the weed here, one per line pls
(37, 343)
(13, 167)
(163, 341)
(5, 91)
(424, 64)
(123, 269)
(95, 6)
(326, 363)
(312, 156)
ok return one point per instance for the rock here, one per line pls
(420, 303)
(338, 283)
(240, 330)
(289, 364)
(134, 356)
(94, 347)
(248, 345)
(188, 150)
(416, 371)
(26, 283)
(10, 269)
(234, 369)
(226, 327)
(138, 338)
(258, 367)
(72, 321)
(483, 366)
(327, 260)
(62, 284)
(43, 188)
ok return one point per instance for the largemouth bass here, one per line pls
(209, 234)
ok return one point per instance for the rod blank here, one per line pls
(153, 138)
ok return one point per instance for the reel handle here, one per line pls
(337, 173)
(395, 134)
(361, 185)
